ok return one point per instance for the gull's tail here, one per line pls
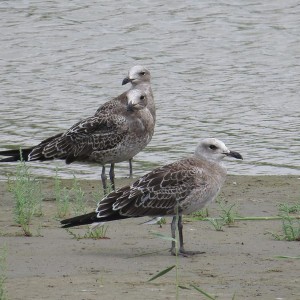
(89, 219)
(35, 152)
(15, 155)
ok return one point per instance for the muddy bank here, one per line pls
(241, 259)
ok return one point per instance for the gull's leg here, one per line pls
(130, 168)
(104, 178)
(173, 232)
(112, 176)
(181, 247)
(180, 227)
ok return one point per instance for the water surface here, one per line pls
(225, 69)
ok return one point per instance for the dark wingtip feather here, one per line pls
(10, 159)
(15, 155)
(89, 219)
(80, 220)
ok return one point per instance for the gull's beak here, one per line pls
(130, 106)
(234, 154)
(126, 80)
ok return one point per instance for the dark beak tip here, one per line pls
(236, 155)
(125, 81)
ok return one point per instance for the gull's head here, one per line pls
(214, 149)
(136, 75)
(136, 100)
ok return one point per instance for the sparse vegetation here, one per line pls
(290, 223)
(168, 269)
(217, 223)
(176, 266)
(228, 216)
(79, 204)
(228, 213)
(201, 214)
(3, 255)
(27, 194)
(97, 196)
(62, 198)
(95, 233)
(289, 208)
(162, 221)
(65, 192)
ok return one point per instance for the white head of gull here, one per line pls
(137, 75)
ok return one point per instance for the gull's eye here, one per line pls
(142, 97)
(143, 73)
(212, 147)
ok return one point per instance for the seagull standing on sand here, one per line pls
(182, 187)
(103, 138)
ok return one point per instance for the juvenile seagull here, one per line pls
(182, 187)
(103, 138)
(140, 78)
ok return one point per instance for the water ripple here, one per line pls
(225, 69)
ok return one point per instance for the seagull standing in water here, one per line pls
(175, 189)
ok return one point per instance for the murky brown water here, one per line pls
(226, 69)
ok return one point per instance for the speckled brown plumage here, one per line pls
(104, 138)
(178, 188)
(140, 78)
(110, 136)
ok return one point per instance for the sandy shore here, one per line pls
(241, 259)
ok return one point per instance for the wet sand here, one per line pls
(241, 259)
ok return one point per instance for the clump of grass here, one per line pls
(290, 223)
(162, 221)
(98, 195)
(26, 191)
(201, 214)
(290, 229)
(95, 234)
(217, 223)
(228, 214)
(289, 208)
(79, 204)
(290, 226)
(3, 255)
(62, 198)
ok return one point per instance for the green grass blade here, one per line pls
(183, 287)
(288, 257)
(244, 218)
(203, 293)
(233, 297)
(161, 273)
(164, 237)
